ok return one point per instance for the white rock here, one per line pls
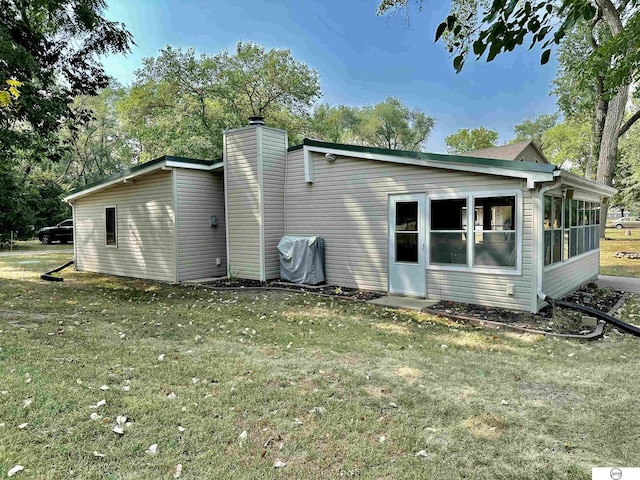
(181, 428)
(421, 454)
(297, 421)
(243, 436)
(104, 388)
(161, 357)
(99, 455)
(177, 471)
(279, 464)
(27, 402)
(393, 405)
(444, 346)
(14, 470)
(95, 417)
(22, 426)
(382, 438)
(152, 450)
(121, 419)
(171, 396)
(126, 388)
(101, 403)
(118, 429)
(504, 402)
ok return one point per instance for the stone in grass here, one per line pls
(421, 454)
(279, 464)
(14, 470)
(588, 321)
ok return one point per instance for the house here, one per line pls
(527, 151)
(479, 230)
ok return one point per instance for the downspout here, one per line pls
(539, 236)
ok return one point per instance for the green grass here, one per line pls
(30, 245)
(617, 241)
(265, 359)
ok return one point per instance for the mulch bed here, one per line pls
(345, 292)
(549, 319)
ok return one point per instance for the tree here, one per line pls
(52, 48)
(534, 128)
(567, 144)
(466, 140)
(98, 147)
(181, 102)
(391, 124)
(338, 124)
(481, 27)
(388, 124)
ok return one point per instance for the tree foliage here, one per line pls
(387, 124)
(181, 102)
(534, 128)
(52, 47)
(466, 140)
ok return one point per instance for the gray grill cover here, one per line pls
(302, 259)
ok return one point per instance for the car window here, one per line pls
(624, 219)
(67, 223)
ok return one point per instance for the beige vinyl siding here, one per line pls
(530, 154)
(560, 279)
(199, 195)
(274, 151)
(243, 202)
(145, 229)
(347, 205)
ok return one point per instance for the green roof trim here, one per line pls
(142, 166)
(437, 157)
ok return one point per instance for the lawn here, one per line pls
(332, 388)
(31, 245)
(617, 241)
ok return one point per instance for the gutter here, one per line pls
(539, 236)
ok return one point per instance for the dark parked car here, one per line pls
(62, 232)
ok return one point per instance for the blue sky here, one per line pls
(361, 58)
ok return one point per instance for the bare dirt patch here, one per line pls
(377, 392)
(396, 328)
(485, 426)
(410, 375)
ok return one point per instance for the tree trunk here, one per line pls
(609, 145)
(608, 156)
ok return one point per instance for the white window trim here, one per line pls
(470, 197)
(115, 208)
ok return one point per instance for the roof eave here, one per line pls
(576, 181)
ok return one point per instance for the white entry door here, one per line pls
(407, 274)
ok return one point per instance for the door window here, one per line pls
(406, 232)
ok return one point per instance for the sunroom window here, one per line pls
(448, 241)
(495, 232)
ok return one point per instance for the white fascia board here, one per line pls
(532, 177)
(193, 166)
(115, 181)
(572, 180)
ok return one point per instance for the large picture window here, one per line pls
(485, 237)
(111, 226)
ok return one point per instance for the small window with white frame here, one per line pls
(111, 227)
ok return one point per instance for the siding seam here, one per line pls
(260, 167)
